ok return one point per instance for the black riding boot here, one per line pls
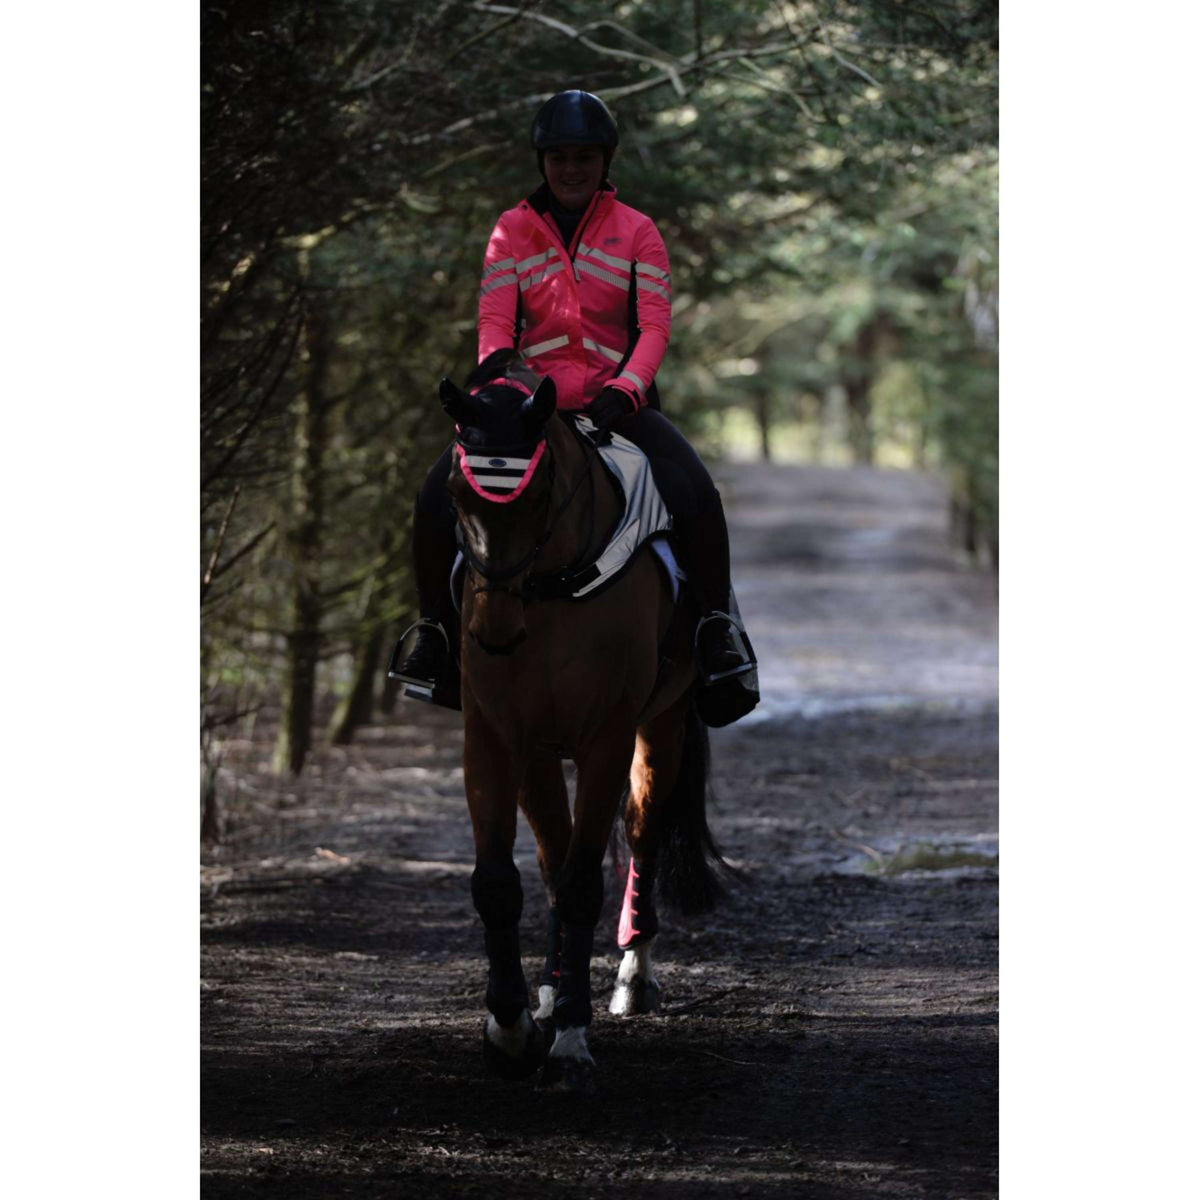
(724, 656)
(431, 671)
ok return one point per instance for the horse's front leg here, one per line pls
(512, 1045)
(544, 801)
(603, 770)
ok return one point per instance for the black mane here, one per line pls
(493, 367)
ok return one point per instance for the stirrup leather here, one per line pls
(741, 645)
(418, 689)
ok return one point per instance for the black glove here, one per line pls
(609, 407)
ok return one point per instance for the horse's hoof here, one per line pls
(520, 1050)
(636, 996)
(574, 1075)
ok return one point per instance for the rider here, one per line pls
(581, 285)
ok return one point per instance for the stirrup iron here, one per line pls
(748, 663)
(416, 689)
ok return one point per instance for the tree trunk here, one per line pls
(358, 705)
(858, 406)
(858, 375)
(971, 507)
(762, 413)
(311, 409)
(210, 807)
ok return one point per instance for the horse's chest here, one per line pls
(563, 681)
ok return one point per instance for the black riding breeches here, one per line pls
(683, 480)
(433, 500)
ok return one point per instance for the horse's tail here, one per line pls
(690, 869)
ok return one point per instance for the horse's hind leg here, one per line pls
(511, 1042)
(580, 894)
(544, 801)
(656, 764)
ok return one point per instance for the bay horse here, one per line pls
(606, 681)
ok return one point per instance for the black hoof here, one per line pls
(574, 1075)
(635, 997)
(646, 996)
(515, 1066)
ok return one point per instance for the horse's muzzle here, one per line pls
(507, 648)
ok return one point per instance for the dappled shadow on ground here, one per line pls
(691, 1105)
(834, 1031)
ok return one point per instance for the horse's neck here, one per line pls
(591, 507)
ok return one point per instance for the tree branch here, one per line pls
(207, 578)
(238, 555)
(484, 34)
(578, 35)
(845, 62)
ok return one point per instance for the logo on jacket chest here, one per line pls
(612, 241)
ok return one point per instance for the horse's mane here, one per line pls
(495, 366)
(505, 363)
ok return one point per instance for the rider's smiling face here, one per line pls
(574, 173)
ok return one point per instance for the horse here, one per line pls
(607, 681)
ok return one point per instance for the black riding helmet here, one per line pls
(574, 118)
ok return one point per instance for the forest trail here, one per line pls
(830, 1032)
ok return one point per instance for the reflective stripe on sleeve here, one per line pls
(501, 264)
(628, 374)
(657, 272)
(497, 281)
(644, 285)
(543, 347)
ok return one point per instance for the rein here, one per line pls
(535, 587)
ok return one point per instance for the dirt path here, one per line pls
(831, 1032)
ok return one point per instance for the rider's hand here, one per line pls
(609, 407)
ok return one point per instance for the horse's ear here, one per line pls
(456, 402)
(541, 405)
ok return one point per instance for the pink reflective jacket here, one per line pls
(591, 315)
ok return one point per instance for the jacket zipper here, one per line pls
(552, 225)
(587, 216)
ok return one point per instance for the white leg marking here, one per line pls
(545, 1008)
(636, 964)
(511, 1040)
(572, 1043)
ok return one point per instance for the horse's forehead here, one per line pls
(499, 410)
(500, 400)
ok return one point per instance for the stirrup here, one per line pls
(741, 645)
(413, 686)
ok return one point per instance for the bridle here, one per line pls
(494, 577)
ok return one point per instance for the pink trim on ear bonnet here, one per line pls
(499, 478)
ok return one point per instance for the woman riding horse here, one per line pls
(580, 284)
